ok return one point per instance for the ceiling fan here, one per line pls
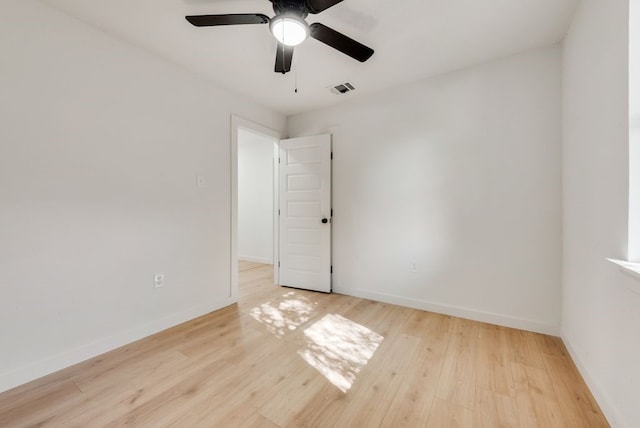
(290, 29)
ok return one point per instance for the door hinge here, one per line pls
(278, 212)
(331, 212)
(331, 269)
(278, 160)
(331, 155)
(278, 264)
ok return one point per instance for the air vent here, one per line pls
(342, 88)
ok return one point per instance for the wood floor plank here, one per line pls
(283, 357)
(245, 265)
(45, 399)
(282, 403)
(161, 400)
(256, 420)
(578, 405)
(414, 398)
(457, 382)
(493, 372)
(536, 401)
(494, 410)
(119, 392)
(524, 349)
(251, 385)
(445, 414)
(378, 390)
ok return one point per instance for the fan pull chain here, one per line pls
(283, 54)
(295, 72)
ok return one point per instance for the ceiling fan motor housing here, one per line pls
(293, 7)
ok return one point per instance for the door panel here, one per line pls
(305, 200)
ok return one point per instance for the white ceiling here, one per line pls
(413, 39)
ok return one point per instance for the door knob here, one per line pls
(325, 221)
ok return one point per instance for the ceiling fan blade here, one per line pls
(231, 19)
(317, 6)
(284, 56)
(339, 41)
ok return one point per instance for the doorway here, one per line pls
(254, 197)
(300, 209)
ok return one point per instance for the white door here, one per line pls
(305, 213)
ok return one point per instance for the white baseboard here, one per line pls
(256, 259)
(604, 401)
(68, 358)
(472, 314)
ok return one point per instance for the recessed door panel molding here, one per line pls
(303, 155)
(303, 209)
(304, 182)
(305, 236)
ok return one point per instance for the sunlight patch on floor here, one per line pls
(339, 348)
(284, 314)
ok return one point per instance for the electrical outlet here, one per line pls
(158, 280)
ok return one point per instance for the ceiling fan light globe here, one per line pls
(289, 30)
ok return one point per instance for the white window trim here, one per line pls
(632, 269)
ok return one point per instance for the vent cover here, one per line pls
(342, 88)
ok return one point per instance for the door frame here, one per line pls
(237, 123)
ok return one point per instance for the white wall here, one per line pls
(460, 174)
(255, 197)
(100, 144)
(634, 130)
(601, 315)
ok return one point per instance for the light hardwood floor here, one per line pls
(283, 357)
